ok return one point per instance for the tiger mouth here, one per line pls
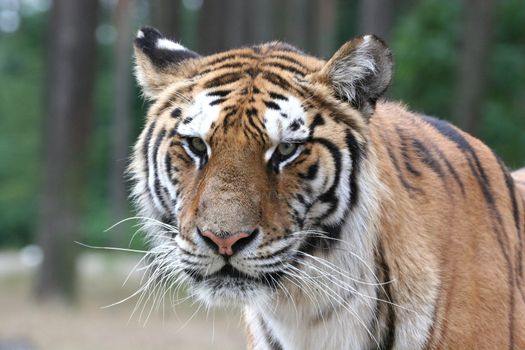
(228, 274)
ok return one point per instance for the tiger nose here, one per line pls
(228, 244)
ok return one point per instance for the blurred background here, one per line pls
(70, 110)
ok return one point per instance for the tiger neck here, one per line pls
(337, 291)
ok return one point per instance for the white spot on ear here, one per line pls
(167, 44)
(140, 34)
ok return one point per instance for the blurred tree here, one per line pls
(296, 25)
(425, 39)
(233, 12)
(376, 17)
(323, 27)
(121, 124)
(165, 17)
(259, 21)
(211, 27)
(69, 91)
(478, 19)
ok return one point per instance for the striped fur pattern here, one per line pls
(364, 225)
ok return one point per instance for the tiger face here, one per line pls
(248, 160)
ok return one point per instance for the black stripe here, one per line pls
(389, 336)
(227, 57)
(272, 343)
(170, 169)
(217, 101)
(231, 65)
(477, 169)
(311, 173)
(276, 80)
(427, 158)
(145, 154)
(294, 125)
(330, 195)
(404, 153)
(272, 105)
(269, 256)
(479, 173)
(176, 113)
(355, 154)
(276, 96)
(399, 173)
(250, 112)
(145, 147)
(223, 79)
(289, 59)
(318, 121)
(258, 133)
(285, 67)
(156, 183)
(450, 168)
(219, 93)
(226, 123)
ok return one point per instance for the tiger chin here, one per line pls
(284, 184)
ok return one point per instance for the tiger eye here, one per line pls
(198, 145)
(286, 149)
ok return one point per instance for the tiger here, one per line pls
(290, 187)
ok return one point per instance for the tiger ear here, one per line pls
(159, 61)
(359, 72)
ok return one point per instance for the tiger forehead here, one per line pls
(266, 117)
(258, 59)
(254, 92)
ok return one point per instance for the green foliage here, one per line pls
(425, 48)
(503, 123)
(21, 71)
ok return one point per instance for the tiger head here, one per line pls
(251, 160)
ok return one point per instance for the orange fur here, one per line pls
(451, 222)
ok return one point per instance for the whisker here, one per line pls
(111, 248)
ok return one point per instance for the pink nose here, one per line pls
(225, 244)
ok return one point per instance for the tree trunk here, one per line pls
(259, 21)
(472, 76)
(323, 27)
(69, 88)
(375, 17)
(120, 134)
(211, 27)
(165, 16)
(232, 13)
(296, 25)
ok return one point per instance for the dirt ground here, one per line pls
(26, 325)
